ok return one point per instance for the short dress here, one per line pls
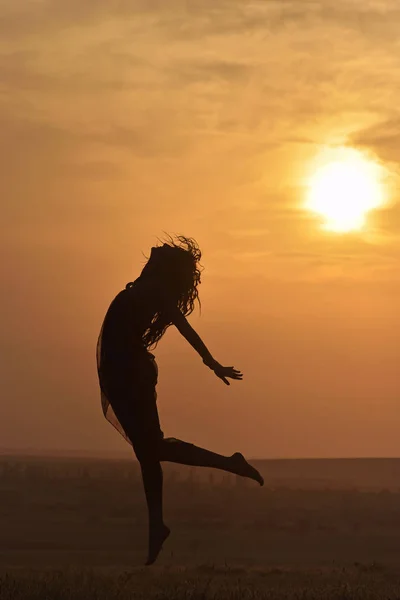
(128, 374)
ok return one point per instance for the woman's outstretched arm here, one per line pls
(183, 326)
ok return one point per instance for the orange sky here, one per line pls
(123, 120)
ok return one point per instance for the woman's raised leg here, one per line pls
(177, 451)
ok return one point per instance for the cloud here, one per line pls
(383, 139)
(196, 71)
(200, 100)
(34, 18)
(31, 148)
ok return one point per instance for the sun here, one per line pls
(343, 188)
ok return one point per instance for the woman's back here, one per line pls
(127, 319)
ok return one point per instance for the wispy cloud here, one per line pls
(197, 104)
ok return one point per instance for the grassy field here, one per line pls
(360, 582)
(75, 530)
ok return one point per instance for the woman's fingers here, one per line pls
(225, 372)
(235, 374)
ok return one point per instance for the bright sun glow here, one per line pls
(344, 188)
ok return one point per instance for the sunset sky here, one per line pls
(124, 119)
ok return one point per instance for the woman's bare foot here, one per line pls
(157, 538)
(243, 468)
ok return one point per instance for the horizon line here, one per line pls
(120, 455)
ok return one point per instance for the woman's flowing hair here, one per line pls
(177, 263)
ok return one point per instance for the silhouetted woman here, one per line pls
(164, 294)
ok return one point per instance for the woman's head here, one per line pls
(176, 264)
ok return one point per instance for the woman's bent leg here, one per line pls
(177, 451)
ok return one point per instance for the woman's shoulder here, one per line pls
(144, 287)
(150, 289)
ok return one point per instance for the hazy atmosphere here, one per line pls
(124, 120)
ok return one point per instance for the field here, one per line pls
(204, 582)
(73, 529)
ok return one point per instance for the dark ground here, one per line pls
(77, 529)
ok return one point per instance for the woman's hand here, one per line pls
(225, 372)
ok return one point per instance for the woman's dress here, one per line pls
(127, 371)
